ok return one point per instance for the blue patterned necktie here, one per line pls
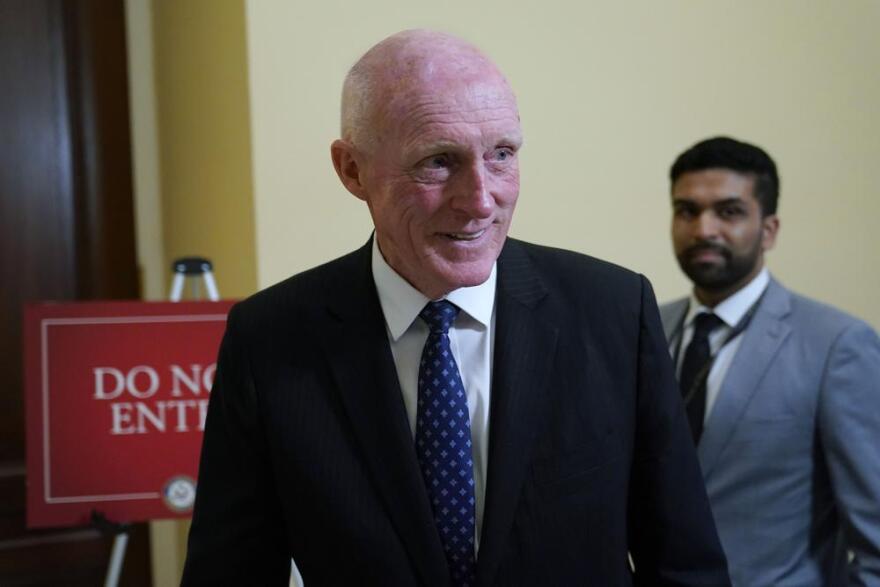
(443, 444)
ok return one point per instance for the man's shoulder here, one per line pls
(576, 280)
(559, 263)
(305, 290)
(815, 319)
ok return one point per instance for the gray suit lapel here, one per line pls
(672, 315)
(761, 341)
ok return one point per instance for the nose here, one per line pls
(472, 195)
(706, 226)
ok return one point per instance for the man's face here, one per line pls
(442, 181)
(718, 232)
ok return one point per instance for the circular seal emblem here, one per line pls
(179, 493)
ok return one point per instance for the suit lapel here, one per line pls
(356, 345)
(525, 345)
(673, 316)
(761, 341)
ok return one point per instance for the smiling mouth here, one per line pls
(465, 236)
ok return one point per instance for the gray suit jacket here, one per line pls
(791, 450)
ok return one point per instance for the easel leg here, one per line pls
(120, 543)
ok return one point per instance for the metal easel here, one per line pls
(191, 268)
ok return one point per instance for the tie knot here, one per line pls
(705, 323)
(439, 316)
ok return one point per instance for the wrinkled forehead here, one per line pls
(469, 96)
(451, 111)
(449, 93)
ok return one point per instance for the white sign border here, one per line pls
(44, 357)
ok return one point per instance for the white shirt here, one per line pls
(471, 340)
(731, 311)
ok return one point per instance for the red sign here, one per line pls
(116, 397)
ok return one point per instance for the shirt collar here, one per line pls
(735, 307)
(401, 302)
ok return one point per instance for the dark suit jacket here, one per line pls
(308, 452)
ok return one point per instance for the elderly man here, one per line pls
(783, 393)
(447, 405)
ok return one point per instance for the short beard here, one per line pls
(713, 277)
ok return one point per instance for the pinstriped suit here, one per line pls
(308, 452)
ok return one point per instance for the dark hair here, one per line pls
(727, 153)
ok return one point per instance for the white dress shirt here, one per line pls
(471, 340)
(731, 311)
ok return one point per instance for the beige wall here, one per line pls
(145, 149)
(204, 137)
(610, 93)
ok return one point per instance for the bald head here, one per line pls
(385, 79)
(430, 141)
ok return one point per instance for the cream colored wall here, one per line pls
(145, 149)
(204, 137)
(610, 93)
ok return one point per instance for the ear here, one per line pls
(346, 161)
(769, 228)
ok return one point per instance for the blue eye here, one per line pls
(502, 154)
(438, 161)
